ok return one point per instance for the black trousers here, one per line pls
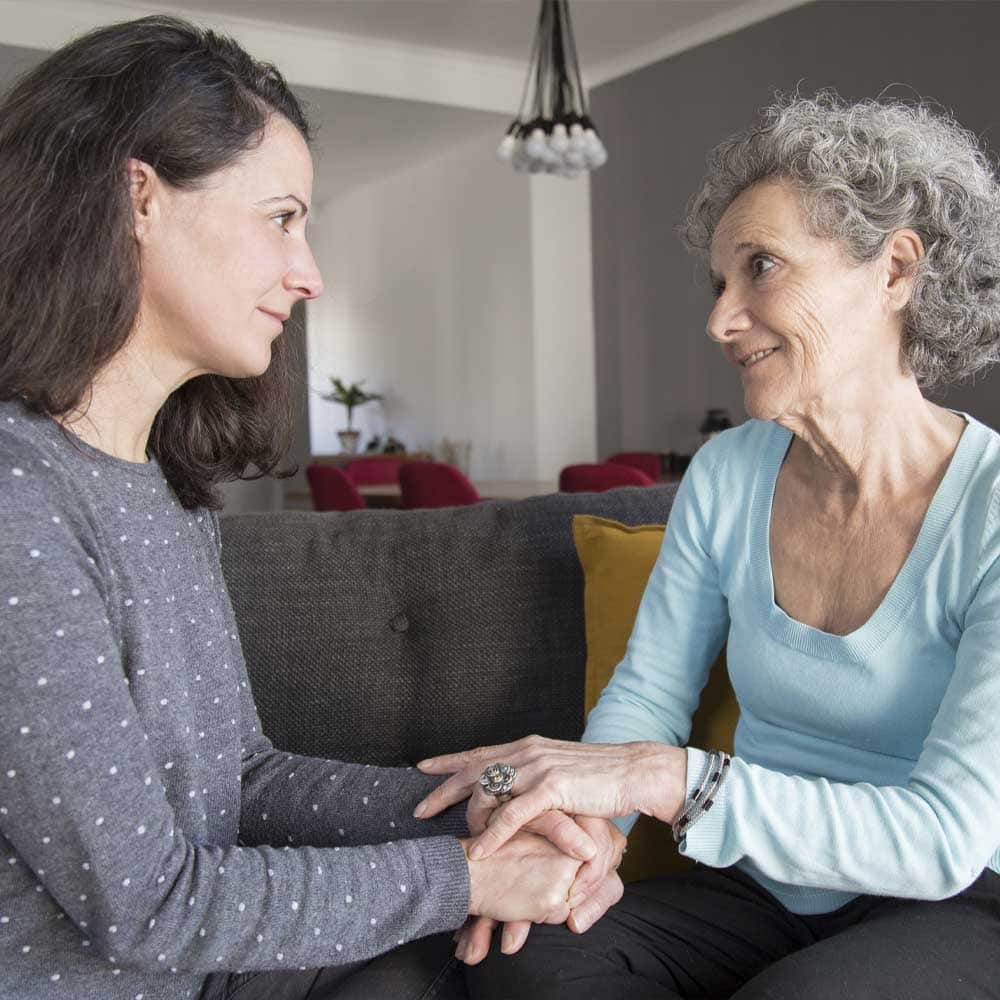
(421, 970)
(715, 934)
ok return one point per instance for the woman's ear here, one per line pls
(142, 182)
(901, 255)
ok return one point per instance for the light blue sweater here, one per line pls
(865, 763)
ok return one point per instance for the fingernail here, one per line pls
(476, 853)
(423, 763)
(420, 810)
(506, 944)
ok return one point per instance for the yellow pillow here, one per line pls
(617, 560)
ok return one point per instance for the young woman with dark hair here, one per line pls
(185, 107)
(154, 186)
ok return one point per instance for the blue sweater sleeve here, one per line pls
(679, 629)
(926, 839)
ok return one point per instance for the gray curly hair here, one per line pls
(865, 171)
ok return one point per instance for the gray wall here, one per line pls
(657, 371)
(15, 60)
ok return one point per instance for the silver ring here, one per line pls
(498, 780)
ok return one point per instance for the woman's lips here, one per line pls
(753, 360)
(280, 320)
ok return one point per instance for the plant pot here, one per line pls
(349, 441)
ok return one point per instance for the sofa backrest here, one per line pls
(386, 636)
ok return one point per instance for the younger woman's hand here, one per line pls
(595, 890)
(525, 879)
(474, 938)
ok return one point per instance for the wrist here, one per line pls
(661, 780)
(475, 902)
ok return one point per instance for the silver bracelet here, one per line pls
(692, 807)
(701, 802)
(704, 798)
(718, 769)
(692, 803)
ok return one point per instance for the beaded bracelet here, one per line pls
(704, 797)
(716, 777)
(691, 808)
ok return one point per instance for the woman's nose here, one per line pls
(304, 277)
(729, 318)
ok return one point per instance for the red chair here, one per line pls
(435, 484)
(648, 461)
(373, 471)
(599, 476)
(332, 490)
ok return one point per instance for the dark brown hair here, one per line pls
(188, 102)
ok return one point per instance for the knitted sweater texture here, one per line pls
(149, 833)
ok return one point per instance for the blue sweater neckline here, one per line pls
(856, 646)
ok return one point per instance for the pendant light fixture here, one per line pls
(552, 132)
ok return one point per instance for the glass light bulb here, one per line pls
(536, 144)
(505, 151)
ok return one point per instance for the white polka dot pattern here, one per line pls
(138, 775)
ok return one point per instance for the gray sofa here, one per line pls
(387, 636)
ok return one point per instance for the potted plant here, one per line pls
(350, 396)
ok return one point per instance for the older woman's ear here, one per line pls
(902, 252)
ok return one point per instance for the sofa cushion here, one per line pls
(616, 560)
(386, 636)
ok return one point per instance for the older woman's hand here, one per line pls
(597, 886)
(593, 779)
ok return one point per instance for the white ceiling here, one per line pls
(359, 137)
(606, 30)
(613, 37)
(363, 136)
(360, 131)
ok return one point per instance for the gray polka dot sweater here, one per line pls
(149, 833)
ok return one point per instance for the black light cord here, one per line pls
(559, 136)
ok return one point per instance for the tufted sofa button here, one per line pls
(400, 623)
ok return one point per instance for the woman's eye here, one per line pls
(760, 264)
(283, 219)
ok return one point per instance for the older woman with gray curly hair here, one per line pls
(846, 542)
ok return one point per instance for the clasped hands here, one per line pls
(550, 854)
